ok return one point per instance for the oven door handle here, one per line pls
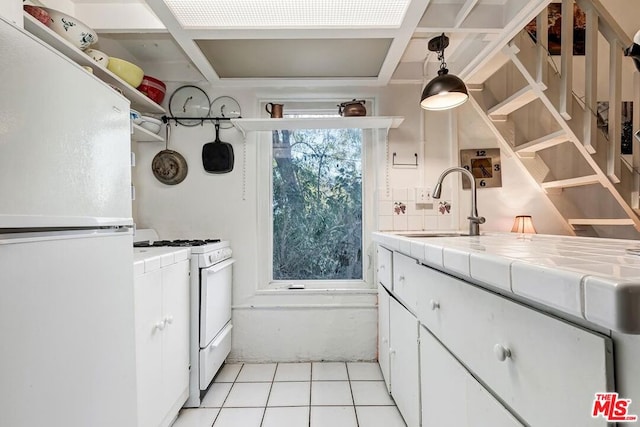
(221, 265)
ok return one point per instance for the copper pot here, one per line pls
(352, 108)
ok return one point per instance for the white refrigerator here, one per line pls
(67, 350)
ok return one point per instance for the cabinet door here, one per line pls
(405, 376)
(149, 325)
(383, 334)
(451, 396)
(175, 345)
(384, 270)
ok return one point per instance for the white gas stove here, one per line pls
(210, 306)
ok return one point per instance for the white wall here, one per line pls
(11, 10)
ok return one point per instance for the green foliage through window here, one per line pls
(317, 204)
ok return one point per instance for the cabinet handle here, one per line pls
(160, 325)
(401, 278)
(382, 267)
(168, 320)
(434, 304)
(501, 352)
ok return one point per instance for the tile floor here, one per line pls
(323, 394)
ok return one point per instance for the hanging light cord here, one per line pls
(443, 65)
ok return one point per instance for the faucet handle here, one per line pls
(477, 219)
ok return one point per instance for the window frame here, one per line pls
(264, 187)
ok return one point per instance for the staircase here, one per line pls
(528, 98)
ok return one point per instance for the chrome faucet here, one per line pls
(474, 219)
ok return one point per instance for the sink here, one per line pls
(432, 234)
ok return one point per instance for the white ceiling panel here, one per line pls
(317, 58)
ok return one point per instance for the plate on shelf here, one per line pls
(226, 107)
(189, 101)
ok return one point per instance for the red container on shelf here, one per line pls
(38, 13)
(153, 88)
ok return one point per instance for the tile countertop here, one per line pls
(146, 260)
(591, 278)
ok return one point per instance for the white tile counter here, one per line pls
(149, 259)
(594, 279)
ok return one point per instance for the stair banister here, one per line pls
(566, 60)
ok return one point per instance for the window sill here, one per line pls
(338, 289)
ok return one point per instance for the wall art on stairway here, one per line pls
(555, 23)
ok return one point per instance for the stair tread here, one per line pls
(572, 182)
(600, 221)
(542, 143)
(516, 101)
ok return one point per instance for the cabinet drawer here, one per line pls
(553, 369)
(406, 279)
(212, 357)
(384, 270)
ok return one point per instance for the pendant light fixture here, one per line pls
(446, 90)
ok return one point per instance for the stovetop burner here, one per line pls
(176, 243)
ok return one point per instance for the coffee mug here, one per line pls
(276, 110)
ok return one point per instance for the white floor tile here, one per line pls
(329, 371)
(248, 395)
(364, 371)
(370, 393)
(239, 417)
(286, 417)
(197, 417)
(293, 372)
(216, 395)
(333, 416)
(379, 416)
(331, 393)
(228, 373)
(290, 394)
(256, 372)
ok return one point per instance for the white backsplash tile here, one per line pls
(431, 222)
(400, 223)
(385, 223)
(415, 222)
(385, 207)
(400, 194)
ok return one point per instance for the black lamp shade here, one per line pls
(444, 92)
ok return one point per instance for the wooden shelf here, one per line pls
(248, 125)
(140, 134)
(138, 100)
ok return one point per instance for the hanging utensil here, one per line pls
(168, 166)
(217, 156)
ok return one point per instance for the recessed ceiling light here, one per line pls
(288, 13)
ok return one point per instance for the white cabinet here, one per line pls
(528, 358)
(384, 267)
(404, 369)
(451, 396)
(162, 343)
(406, 280)
(485, 358)
(383, 335)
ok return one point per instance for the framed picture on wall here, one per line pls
(555, 24)
(626, 142)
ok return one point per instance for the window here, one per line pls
(317, 204)
(312, 187)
